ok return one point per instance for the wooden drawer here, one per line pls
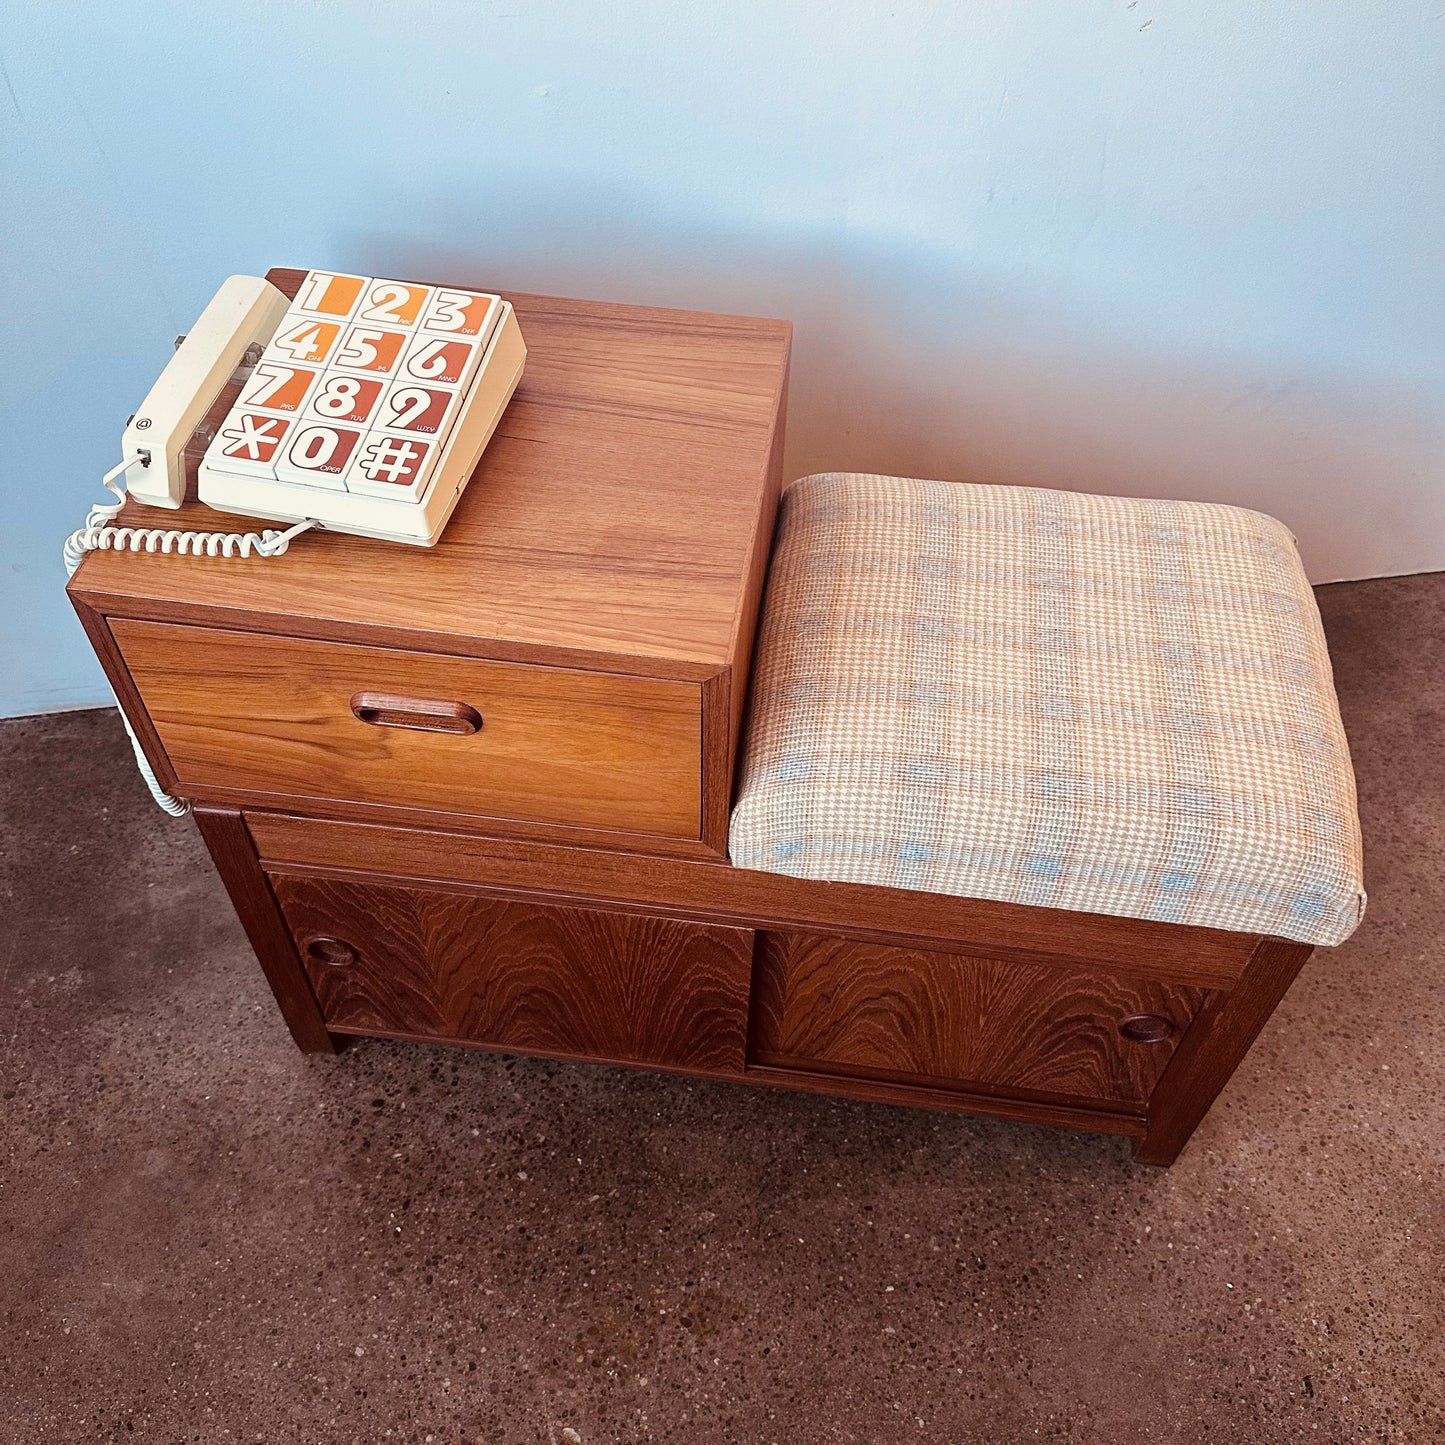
(581, 982)
(830, 1005)
(241, 713)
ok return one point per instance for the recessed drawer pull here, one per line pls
(334, 951)
(432, 715)
(1146, 1028)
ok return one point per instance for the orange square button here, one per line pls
(249, 442)
(303, 339)
(421, 410)
(370, 348)
(436, 361)
(345, 398)
(277, 387)
(393, 466)
(461, 313)
(393, 303)
(317, 455)
(325, 293)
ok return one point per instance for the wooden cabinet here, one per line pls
(479, 793)
(589, 609)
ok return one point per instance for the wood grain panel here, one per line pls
(1136, 947)
(568, 981)
(235, 711)
(831, 1005)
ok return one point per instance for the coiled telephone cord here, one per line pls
(99, 535)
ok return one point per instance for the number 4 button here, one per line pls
(302, 339)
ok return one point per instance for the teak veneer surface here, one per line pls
(569, 981)
(837, 1005)
(622, 509)
(553, 745)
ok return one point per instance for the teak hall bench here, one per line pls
(1031, 804)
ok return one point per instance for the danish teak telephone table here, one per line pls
(479, 794)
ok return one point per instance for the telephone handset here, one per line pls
(364, 406)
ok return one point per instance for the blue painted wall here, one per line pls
(1145, 246)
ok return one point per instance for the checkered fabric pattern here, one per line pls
(1094, 703)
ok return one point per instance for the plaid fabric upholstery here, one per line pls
(1040, 697)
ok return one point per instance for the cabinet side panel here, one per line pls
(97, 629)
(750, 605)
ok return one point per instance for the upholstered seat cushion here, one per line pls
(1095, 703)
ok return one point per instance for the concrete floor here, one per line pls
(205, 1236)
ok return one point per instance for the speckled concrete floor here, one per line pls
(205, 1236)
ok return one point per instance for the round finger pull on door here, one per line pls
(1146, 1028)
(332, 951)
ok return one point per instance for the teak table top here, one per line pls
(613, 520)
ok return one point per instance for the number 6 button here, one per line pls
(440, 363)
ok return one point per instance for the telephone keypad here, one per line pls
(359, 387)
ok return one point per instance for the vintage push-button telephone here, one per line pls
(364, 406)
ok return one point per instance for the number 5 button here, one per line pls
(370, 348)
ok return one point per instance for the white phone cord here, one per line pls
(99, 535)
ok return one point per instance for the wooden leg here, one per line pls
(234, 854)
(1211, 1050)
